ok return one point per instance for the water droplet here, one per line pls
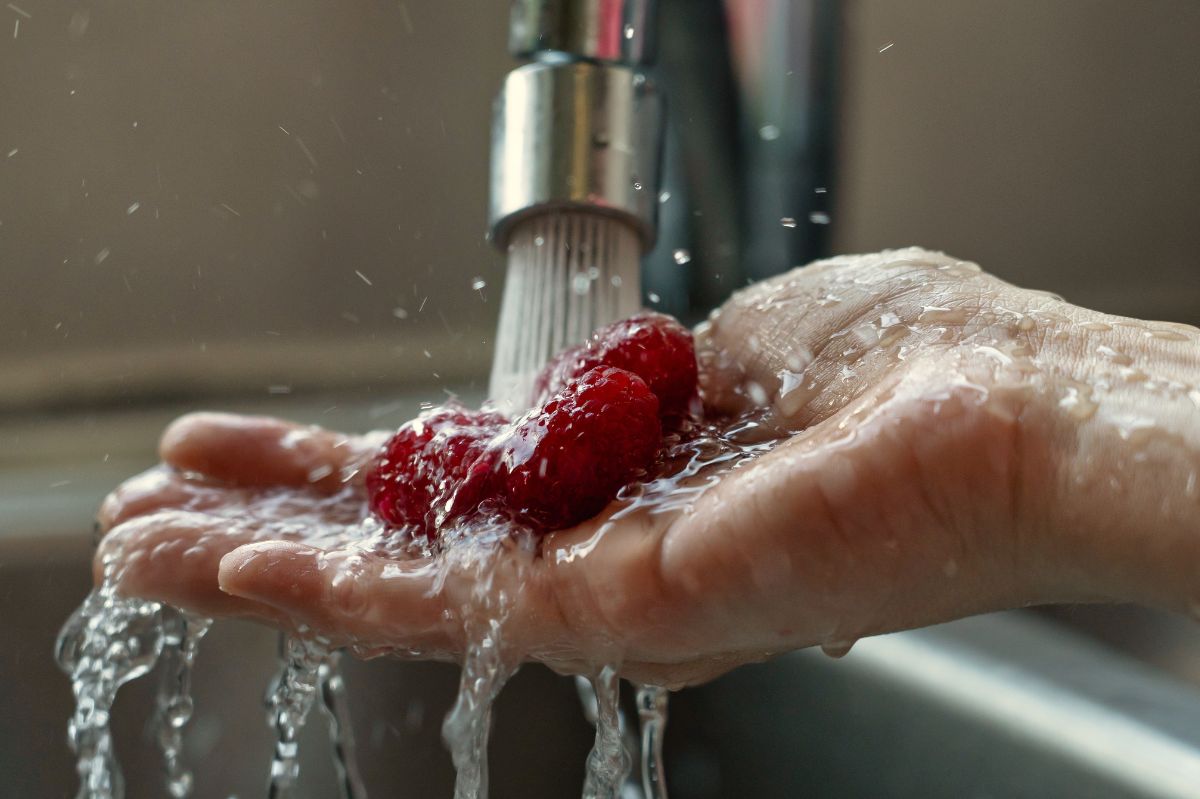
(769, 132)
(664, 196)
(629, 31)
(580, 284)
(1078, 403)
(683, 257)
(1116, 356)
(400, 313)
(478, 284)
(133, 208)
(539, 241)
(837, 649)
(637, 186)
(102, 256)
(788, 222)
(654, 298)
(756, 393)
(819, 218)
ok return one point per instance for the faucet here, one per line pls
(579, 161)
(576, 152)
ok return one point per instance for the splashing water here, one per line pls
(341, 732)
(486, 665)
(568, 274)
(652, 711)
(108, 641)
(181, 633)
(608, 763)
(288, 703)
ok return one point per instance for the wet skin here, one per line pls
(952, 445)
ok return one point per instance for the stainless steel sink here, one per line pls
(1001, 706)
(1012, 705)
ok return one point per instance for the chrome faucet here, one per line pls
(749, 136)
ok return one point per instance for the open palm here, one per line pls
(903, 483)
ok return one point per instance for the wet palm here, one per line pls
(922, 409)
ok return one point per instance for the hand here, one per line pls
(947, 445)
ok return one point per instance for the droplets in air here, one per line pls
(819, 218)
(478, 284)
(629, 32)
(664, 197)
(788, 222)
(581, 284)
(769, 132)
(682, 257)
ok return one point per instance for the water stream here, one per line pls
(108, 641)
(336, 705)
(181, 633)
(569, 273)
(288, 702)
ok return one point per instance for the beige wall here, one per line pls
(1055, 141)
(237, 270)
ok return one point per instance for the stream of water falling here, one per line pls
(181, 634)
(569, 274)
(288, 702)
(608, 763)
(652, 712)
(336, 705)
(108, 641)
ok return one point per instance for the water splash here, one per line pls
(568, 274)
(288, 703)
(108, 641)
(476, 554)
(652, 711)
(608, 763)
(181, 634)
(341, 732)
(468, 723)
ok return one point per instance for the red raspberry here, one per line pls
(653, 346)
(562, 463)
(415, 475)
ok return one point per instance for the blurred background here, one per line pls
(280, 207)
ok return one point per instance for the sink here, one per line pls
(1007, 705)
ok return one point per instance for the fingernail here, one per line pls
(277, 573)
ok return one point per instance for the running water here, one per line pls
(608, 763)
(182, 633)
(568, 274)
(652, 711)
(336, 705)
(487, 664)
(288, 703)
(108, 641)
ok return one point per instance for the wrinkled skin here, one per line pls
(955, 445)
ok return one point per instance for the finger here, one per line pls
(172, 556)
(417, 607)
(157, 489)
(259, 450)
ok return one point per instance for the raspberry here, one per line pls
(415, 475)
(562, 463)
(653, 346)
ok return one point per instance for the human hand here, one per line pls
(934, 422)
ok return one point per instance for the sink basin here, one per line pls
(1006, 706)
(1009, 705)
